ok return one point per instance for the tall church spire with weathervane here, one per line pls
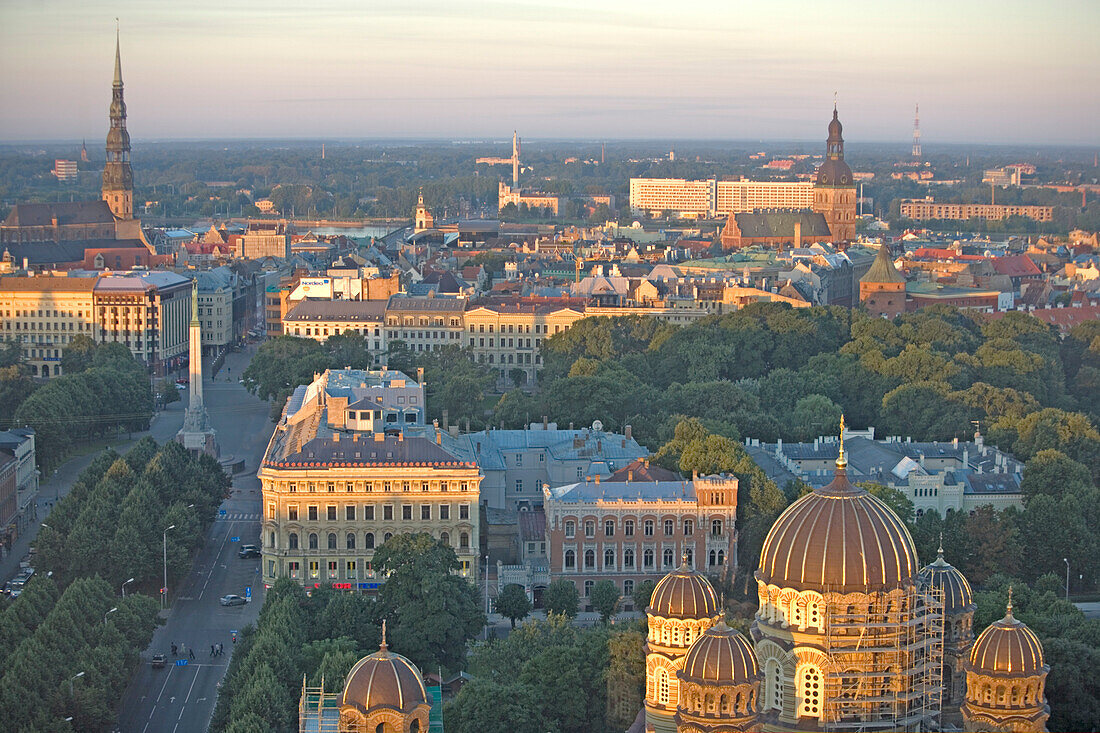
(118, 177)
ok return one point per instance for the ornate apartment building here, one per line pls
(337, 484)
(425, 324)
(627, 531)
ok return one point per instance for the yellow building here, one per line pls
(45, 314)
(425, 323)
(929, 208)
(713, 198)
(336, 486)
(507, 337)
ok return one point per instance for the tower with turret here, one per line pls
(834, 187)
(118, 177)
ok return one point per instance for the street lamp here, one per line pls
(486, 598)
(1066, 561)
(131, 580)
(108, 614)
(72, 693)
(164, 589)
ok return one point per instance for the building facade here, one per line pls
(626, 531)
(425, 323)
(713, 198)
(882, 288)
(929, 208)
(320, 319)
(149, 313)
(508, 337)
(118, 177)
(44, 314)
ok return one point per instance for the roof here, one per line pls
(67, 213)
(132, 281)
(337, 310)
(47, 253)
(683, 593)
(1009, 648)
(532, 525)
(721, 656)
(399, 303)
(780, 223)
(46, 284)
(384, 680)
(882, 269)
(590, 492)
(641, 470)
(957, 595)
(1016, 266)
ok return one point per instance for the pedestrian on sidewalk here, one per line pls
(211, 650)
(174, 649)
(192, 652)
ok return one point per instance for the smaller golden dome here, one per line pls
(957, 595)
(1007, 647)
(683, 593)
(721, 656)
(384, 679)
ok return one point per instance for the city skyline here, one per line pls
(459, 70)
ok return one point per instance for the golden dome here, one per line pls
(683, 593)
(721, 656)
(957, 595)
(384, 679)
(839, 538)
(1007, 647)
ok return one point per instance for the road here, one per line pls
(179, 699)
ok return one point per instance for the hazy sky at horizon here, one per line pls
(996, 71)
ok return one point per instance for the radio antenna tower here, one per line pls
(916, 133)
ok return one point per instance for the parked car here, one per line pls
(159, 660)
(249, 551)
(232, 600)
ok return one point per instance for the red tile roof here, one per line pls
(1016, 266)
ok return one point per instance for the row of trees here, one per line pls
(103, 389)
(431, 613)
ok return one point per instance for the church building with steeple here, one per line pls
(118, 177)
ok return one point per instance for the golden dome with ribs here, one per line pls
(721, 656)
(683, 593)
(839, 538)
(1007, 647)
(957, 595)
(384, 679)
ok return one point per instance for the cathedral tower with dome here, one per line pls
(835, 188)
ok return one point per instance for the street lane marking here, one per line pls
(167, 677)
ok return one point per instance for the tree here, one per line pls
(814, 415)
(1053, 473)
(896, 500)
(561, 597)
(488, 706)
(643, 592)
(78, 354)
(625, 678)
(513, 603)
(605, 599)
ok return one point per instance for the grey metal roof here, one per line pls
(590, 492)
(342, 310)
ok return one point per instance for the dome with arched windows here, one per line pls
(384, 680)
(683, 593)
(942, 576)
(721, 656)
(839, 538)
(1007, 648)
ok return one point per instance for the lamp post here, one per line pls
(164, 589)
(486, 560)
(72, 692)
(108, 614)
(131, 580)
(1066, 561)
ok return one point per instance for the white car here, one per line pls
(232, 600)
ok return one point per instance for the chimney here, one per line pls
(355, 437)
(647, 463)
(630, 474)
(335, 437)
(599, 447)
(597, 479)
(444, 419)
(420, 376)
(570, 426)
(798, 234)
(628, 432)
(467, 425)
(379, 437)
(401, 436)
(545, 422)
(438, 436)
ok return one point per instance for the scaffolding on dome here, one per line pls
(318, 711)
(888, 661)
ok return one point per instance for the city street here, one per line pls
(181, 696)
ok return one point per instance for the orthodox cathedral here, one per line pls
(851, 635)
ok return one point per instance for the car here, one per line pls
(181, 387)
(232, 600)
(159, 660)
(249, 551)
(182, 380)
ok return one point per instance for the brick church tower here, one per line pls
(882, 289)
(118, 177)
(834, 188)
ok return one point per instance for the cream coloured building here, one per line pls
(44, 314)
(712, 198)
(507, 337)
(336, 486)
(425, 323)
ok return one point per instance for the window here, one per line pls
(773, 686)
(387, 513)
(648, 528)
(271, 511)
(292, 513)
(332, 540)
(570, 559)
(424, 486)
(293, 566)
(444, 511)
(368, 540)
(271, 540)
(464, 541)
(647, 559)
(351, 541)
(628, 558)
(331, 486)
(668, 557)
(570, 529)
(349, 487)
(445, 538)
(609, 528)
(292, 541)
(312, 512)
(689, 557)
(387, 537)
(519, 485)
(406, 512)
(463, 511)
(689, 527)
(425, 511)
(368, 512)
(589, 528)
(313, 540)
(670, 527)
(809, 692)
(662, 686)
(716, 526)
(628, 527)
(349, 572)
(628, 587)
(349, 512)
(314, 569)
(609, 559)
(588, 588)
(589, 560)
(332, 569)
(331, 512)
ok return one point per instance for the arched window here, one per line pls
(809, 692)
(609, 558)
(351, 540)
(662, 686)
(589, 559)
(271, 540)
(292, 541)
(716, 526)
(628, 558)
(332, 540)
(313, 540)
(387, 537)
(570, 559)
(668, 557)
(773, 685)
(689, 556)
(713, 556)
(368, 540)
(445, 537)
(721, 557)
(647, 559)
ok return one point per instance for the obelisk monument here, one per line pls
(197, 434)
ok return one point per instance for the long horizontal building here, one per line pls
(928, 208)
(713, 198)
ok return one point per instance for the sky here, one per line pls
(983, 71)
